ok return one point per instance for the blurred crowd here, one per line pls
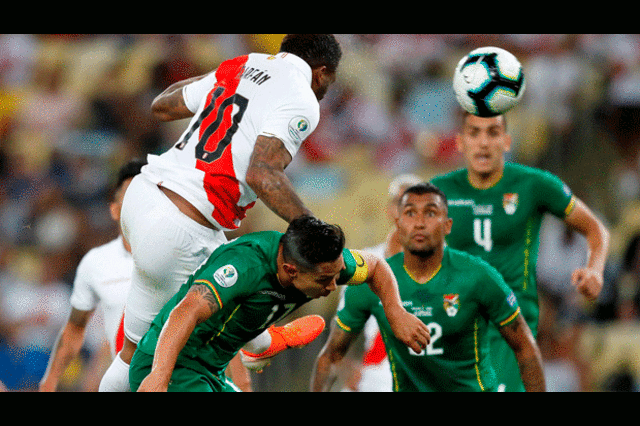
(74, 108)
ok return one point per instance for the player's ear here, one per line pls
(114, 209)
(507, 142)
(290, 269)
(447, 226)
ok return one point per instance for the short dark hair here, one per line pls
(128, 170)
(463, 114)
(316, 49)
(308, 241)
(424, 188)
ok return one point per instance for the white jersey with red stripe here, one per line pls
(248, 96)
(103, 278)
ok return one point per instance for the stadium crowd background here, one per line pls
(73, 108)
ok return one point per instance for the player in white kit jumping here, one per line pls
(249, 117)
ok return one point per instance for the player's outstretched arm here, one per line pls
(197, 306)
(267, 179)
(408, 328)
(66, 348)
(324, 371)
(518, 335)
(589, 280)
(170, 104)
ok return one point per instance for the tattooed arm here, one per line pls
(518, 334)
(197, 306)
(267, 179)
(170, 104)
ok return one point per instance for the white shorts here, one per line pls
(167, 246)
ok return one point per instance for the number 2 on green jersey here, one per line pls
(435, 330)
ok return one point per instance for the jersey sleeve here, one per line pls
(230, 275)
(498, 300)
(356, 269)
(195, 92)
(354, 308)
(555, 196)
(292, 120)
(83, 297)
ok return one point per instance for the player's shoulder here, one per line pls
(256, 246)
(105, 252)
(467, 263)
(519, 171)
(453, 177)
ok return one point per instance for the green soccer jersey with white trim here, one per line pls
(457, 304)
(501, 224)
(242, 276)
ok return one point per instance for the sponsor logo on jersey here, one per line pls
(510, 203)
(419, 311)
(511, 299)
(226, 276)
(451, 304)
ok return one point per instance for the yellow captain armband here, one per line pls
(361, 269)
(571, 206)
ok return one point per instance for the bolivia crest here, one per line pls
(510, 203)
(451, 304)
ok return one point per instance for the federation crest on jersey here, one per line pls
(226, 276)
(451, 304)
(510, 203)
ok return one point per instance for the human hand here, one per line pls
(588, 282)
(409, 329)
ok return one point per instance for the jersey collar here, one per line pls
(298, 62)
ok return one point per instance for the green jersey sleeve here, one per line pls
(499, 301)
(554, 195)
(355, 308)
(231, 274)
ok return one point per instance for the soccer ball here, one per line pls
(488, 81)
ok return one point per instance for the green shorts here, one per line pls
(183, 379)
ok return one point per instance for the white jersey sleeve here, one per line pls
(83, 297)
(195, 93)
(102, 281)
(291, 122)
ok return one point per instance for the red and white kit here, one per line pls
(245, 97)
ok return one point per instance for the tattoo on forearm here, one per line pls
(268, 161)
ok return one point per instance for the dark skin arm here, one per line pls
(169, 105)
(518, 335)
(198, 305)
(267, 179)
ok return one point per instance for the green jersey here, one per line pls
(242, 276)
(456, 304)
(501, 224)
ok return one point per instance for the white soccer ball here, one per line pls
(488, 81)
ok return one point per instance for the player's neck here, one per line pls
(423, 268)
(485, 180)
